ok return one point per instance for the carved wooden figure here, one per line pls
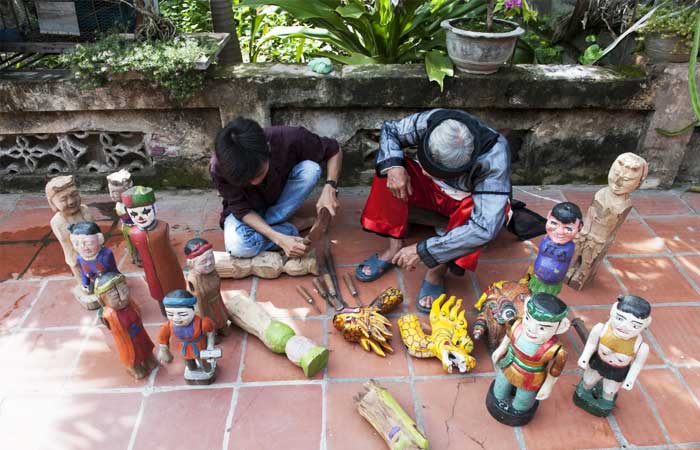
(277, 336)
(118, 182)
(529, 360)
(94, 258)
(607, 212)
(613, 356)
(196, 336)
(122, 317)
(204, 282)
(265, 265)
(151, 238)
(64, 199)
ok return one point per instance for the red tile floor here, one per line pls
(61, 387)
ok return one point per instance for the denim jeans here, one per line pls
(241, 241)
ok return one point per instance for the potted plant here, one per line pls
(668, 34)
(483, 45)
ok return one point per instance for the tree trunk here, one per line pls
(489, 14)
(222, 18)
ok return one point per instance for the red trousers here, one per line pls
(387, 215)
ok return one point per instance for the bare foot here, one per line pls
(387, 255)
(436, 275)
(302, 222)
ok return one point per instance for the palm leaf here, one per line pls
(352, 59)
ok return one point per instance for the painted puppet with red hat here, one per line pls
(204, 282)
(151, 238)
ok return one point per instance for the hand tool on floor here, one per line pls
(353, 290)
(320, 287)
(308, 298)
(331, 279)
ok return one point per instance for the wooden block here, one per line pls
(57, 18)
(265, 265)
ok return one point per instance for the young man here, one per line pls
(264, 176)
(462, 171)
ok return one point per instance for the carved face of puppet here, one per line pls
(538, 331)
(180, 316)
(143, 216)
(115, 191)
(204, 263)
(561, 233)
(87, 245)
(623, 178)
(67, 201)
(626, 325)
(117, 297)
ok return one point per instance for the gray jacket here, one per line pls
(489, 185)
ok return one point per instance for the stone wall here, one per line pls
(565, 123)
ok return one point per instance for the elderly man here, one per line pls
(461, 170)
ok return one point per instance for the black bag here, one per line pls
(524, 223)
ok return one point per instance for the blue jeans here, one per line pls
(241, 241)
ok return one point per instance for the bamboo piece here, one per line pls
(383, 412)
(265, 265)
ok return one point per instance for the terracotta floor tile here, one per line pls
(352, 245)
(343, 420)
(506, 246)
(693, 200)
(227, 366)
(57, 307)
(582, 197)
(280, 298)
(456, 418)
(691, 264)
(200, 413)
(551, 428)
(50, 261)
(488, 273)
(77, 422)
(351, 207)
(99, 366)
(261, 364)
(16, 299)
(593, 316)
(636, 419)
(138, 292)
(655, 279)
(40, 360)
(531, 197)
(260, 423)
(350, 360)
(677, 409)
(215, 238)
(14, 259)
(676, 330)
(679, 234)
(634, 237)
(649, 203)
(692, 377)
(601, 290)
(24, 224)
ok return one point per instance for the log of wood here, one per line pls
(383, 412)
(265, 265)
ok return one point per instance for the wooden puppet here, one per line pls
(117, 183)
(613, 356)
(205, 284)
(528, 361)
(277, 336)
(196, 336)
(94, 258)
(121, 316)
(64, 199)
(265, 265)
(607, 212)
(151, 238)
(448, 341)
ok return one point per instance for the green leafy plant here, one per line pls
(377, 32)
(190, 16)
(672, 20)
(168, 64)
(592, 53)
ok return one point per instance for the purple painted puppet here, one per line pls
(94, 259)
(556, 249)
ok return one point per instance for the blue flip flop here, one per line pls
(428, 289)
(377, 266)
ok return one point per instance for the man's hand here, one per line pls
(328, 200)
(407, 257)
(399, 183)
(293, 246)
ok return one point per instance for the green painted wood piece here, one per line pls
(314, 360)
(277, 335)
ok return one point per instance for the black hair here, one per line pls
(631, 304)
(242, 149)
(567, 212)
(548, 303)
(193, 243)
(84, 228)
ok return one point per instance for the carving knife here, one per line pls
(331, 280)
(308, 298)
(351, 287)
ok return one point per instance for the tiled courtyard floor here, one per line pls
(61, 387)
